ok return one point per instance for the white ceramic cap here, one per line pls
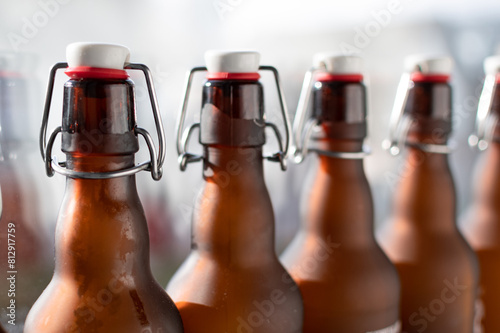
(232, 61)
(98, 55)
(492, 65)
(337, 63)
(440, 65)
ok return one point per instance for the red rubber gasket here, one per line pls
(85, 72)
(433, 78)
(328, 77)
(233, 76)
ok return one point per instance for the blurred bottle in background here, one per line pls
(481, 224)
(2, 330)
(30, 253)
(437, 268)
(348, 284)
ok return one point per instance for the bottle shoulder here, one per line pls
(481, 227)
(108, 307)
(361, 280)
(321, 258)
(427, 248)
(222, 293)
(227, 273)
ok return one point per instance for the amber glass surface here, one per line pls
(347, 282)
(481, 226)
(102, 280)
(437, 268)
(482, 230)
(232, 280)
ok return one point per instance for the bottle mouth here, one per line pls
(86, 72)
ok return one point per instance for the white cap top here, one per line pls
(440, 65)
(98, 55)
(492, 65)
(232, 61)
(337, 63)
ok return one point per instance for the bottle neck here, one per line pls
(429, 101)
(232, 130)
(432, 136)
(340, 108)
(101, 231)
(228, 164)
(234, 208)
(99, 163)
(232, 113)
(233, 218)
(115, 189)
(428, 106)
(487, 185)
(425, 196)
(339, 204)
(339, 101)
(101, 223)
(98, 131)
(494, 113)
(341, 165)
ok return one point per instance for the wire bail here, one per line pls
(400, 123)
(485, 120)
(154, 165)
(303, 130)
(184, 135)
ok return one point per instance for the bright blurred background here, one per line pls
(172, 36)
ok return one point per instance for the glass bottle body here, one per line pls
(347, 282)
(481, 227)
(232, 278)
(437, 268)
(25, 242)
(102, 280)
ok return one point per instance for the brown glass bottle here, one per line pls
(25, 251)
(481, 227)
(437, 268)
(346, 281)
(232, 280)
(102, 280)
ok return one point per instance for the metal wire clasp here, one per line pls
(400, 123)
(485, 120)
(154, 165)
(303, 130)
(183, 135)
